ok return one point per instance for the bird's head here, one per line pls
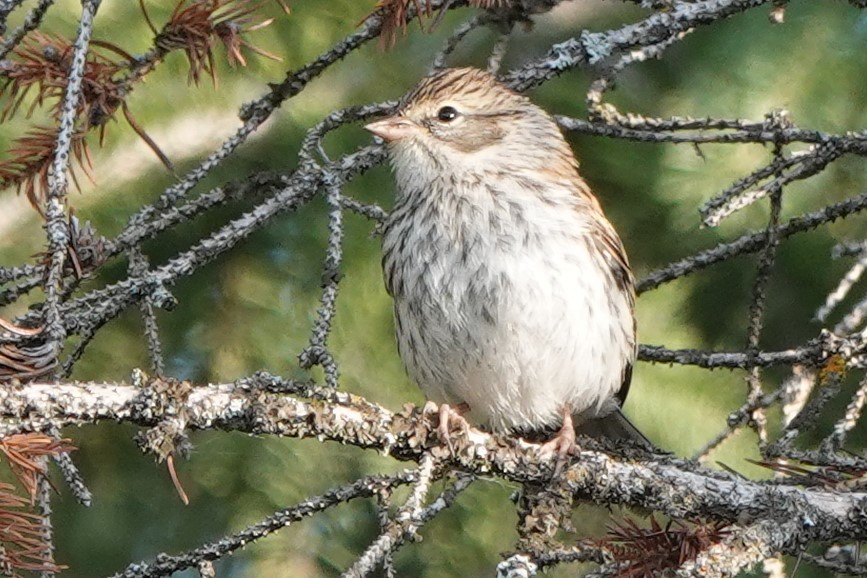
(464, 118)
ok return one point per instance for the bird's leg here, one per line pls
(563, 442)
(452, 416)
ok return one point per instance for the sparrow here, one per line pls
(513, 296)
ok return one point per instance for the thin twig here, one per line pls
(167, 565)
(31, 22)
(55, 212)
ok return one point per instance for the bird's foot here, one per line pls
(562, 445)
(451, 418)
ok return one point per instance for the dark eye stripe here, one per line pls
(497, 114)
(444, 116)
(448, 114)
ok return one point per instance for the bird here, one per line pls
(513, 296)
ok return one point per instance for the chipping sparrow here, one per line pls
(513, 298)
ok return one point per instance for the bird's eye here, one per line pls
(447, 114)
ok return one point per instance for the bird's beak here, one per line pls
(392, 128)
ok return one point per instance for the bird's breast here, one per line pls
(502, 302)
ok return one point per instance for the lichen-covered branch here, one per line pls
(676, 489)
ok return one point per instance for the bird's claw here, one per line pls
(562, 445)
(449, 418)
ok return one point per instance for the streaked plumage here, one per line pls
(512, 291)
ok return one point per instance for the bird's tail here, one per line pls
(614, 426)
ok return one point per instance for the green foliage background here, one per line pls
(253, 308)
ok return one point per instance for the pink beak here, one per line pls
(392, 128)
